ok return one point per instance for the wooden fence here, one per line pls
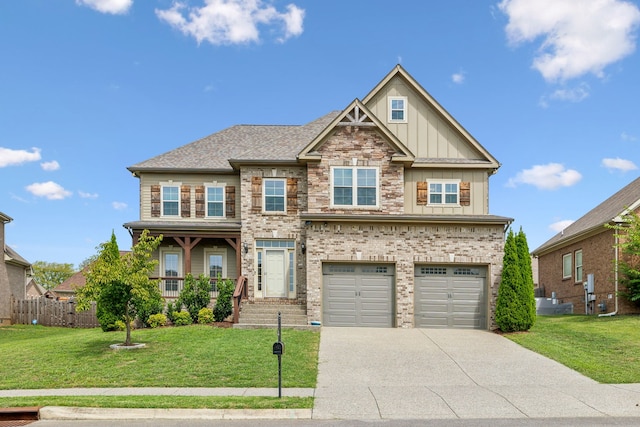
(48, 312)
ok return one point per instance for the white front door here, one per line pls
(275, 277)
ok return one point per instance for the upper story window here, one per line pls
(170, 200)
(274, 195)
(398, 109)
(567, 262)
(579, 266)
(215, 201)
(354, 186)
(443, 193)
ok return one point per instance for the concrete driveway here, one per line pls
(370, 373)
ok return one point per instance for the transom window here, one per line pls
(443, 193)
(355, 186)
(274, 195)
(215, 201)
(398, 109)
(170, 200)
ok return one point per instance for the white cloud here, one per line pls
(628, 137)
(49, 190)
(231, 21)
(561, 225)
(619, 164)
(546, 177)
(87, 195)
(50, 166)
(9, 157)
(577, 37)
(119, 206)
(575, 94)
(458, 78)
(114, 7)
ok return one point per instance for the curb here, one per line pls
(79, 413)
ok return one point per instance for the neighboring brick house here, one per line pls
(376, 215)
(15, 272)
(587, 247)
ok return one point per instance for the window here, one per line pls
(171, 268)
(398, 109)
(443, 193)
(579, 266)
(274, 195)
(215, 201)
(361, 191)
(214, 266)
(566, 266)
(170, 200)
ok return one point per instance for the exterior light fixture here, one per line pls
(303, 248)
(245, 247)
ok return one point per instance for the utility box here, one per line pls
(590, 285)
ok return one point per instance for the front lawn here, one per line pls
(606, 349)
(188, 356)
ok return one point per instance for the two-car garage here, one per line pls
(364, 295)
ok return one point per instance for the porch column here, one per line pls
(187, 244)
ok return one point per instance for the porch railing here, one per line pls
(239, 293)
(170, 287)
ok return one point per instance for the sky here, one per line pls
(89, 87)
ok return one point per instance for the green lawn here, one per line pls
(188, 356)
(606, 349)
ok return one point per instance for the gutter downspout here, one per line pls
(615, 279)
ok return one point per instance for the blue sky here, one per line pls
(89, 87)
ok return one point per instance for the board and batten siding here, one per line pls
(478, 181)
(425, 132)
(192, 180)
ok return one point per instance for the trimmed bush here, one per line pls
(182, 318)
(195, 294)
(205, 315)
(224, 304)
(157, 320)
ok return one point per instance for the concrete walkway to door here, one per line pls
(372, 373)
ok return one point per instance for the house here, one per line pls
(15, 272)
(585, 248)
(376, 215)
(35, 290)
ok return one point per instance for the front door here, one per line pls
(275, 273)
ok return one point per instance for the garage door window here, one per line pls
(466, 271)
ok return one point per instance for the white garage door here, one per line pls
(357, 295)
(450, 297)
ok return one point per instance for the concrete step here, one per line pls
(255, 315)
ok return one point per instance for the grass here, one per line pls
(188, 356)
(606, 349)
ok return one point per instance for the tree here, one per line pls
(51, 274)
(628, 237)
(513, 307)
(528, 294)
(120, 284)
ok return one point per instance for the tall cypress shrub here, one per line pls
(527, 295)
(511, 311)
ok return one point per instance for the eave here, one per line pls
(137, 171)
(590, 232)
(175, 228)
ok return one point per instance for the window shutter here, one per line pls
(200, 201)
(155, 201)
(230, 201)
(423, 193)
(292, 195)
(256, 194)
(465, 193)
(185, 201)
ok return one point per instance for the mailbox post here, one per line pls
(278, 350)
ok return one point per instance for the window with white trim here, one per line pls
(354, 186)
(170, 200)
(398, 109)
(274, 195)
(579, 266)
(444, 193)
(171, 267)
(567, 261)
(215, 202)
(215, 265)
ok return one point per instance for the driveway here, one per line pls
(371, 373)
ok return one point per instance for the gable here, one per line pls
(429, 131)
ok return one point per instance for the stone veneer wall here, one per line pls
(404, 246)
(272, 226)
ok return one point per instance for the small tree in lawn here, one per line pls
(512, 312)
(120, 284)
(527, 292)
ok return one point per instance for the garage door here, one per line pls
(357, 295)
(450, 297)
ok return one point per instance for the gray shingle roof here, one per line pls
(602, 214)
(238, 143)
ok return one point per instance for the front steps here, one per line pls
(257, 315)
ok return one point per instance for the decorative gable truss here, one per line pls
(200, 203)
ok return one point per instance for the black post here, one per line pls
(279, 358)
